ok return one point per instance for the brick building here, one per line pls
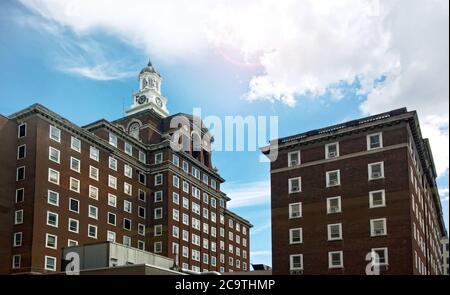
(346, 193)
(125, 181)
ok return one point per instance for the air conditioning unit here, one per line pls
(376, 174)
(332, 154)
(294, 162)
(297, 272)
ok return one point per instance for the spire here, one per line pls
(149, 63)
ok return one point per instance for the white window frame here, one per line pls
(369, 169)
(115, 218)
(125, 221)
(23, 195)
(111, 236)
(291, 205)
(70, 202)
(92, 171)
(56, 172)
(50, 149)
(112, 182)
(127, 206)
(47, 235)
(291, 262)
(386, 255)
(327, 151)
(58, 131)
(112, 163)
(156, 212)
(57, 198)
(79, 164)
(93, 189)
(329, 205)
(75, 144)
(110, 198)
(24, 173)
(330, 261)
(128, 149)
(290, 161)
(112, 139)
(24, 153)
(18, 130)
(96, 231)
(140, 208)
(330, 238)
(57, 219)
(46, 259)
(372, 221)
(159, 158)
(158, 196)
(291, 230)
(142, 157)
(299, 184)
(327, 178)
(16, 264)
(16, 213)
(159, 179)
(383, 194)
(74, 180)
(17, 239)
(380, 134)
(77, 223)
(94, 153)
(96, 212)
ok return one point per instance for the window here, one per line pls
(52, 219)
(185, 166)
(333, 178)
(176, 181)
(157, 230)
(22, 130)
(376, 170)
(295, 235)
(112, 163)
(176, 160)
(71, 243)
(158, 213)
(51, 241)
(53, 176)
(295, 210)
(112, 182)
(205, 178)
(75, 144)
(20, 174)
(141, 212)
(127, 206)
(213, 202)
(158, 196)
(112, 139)
(158, 158)
(141, 177)
(294, 159)
(205, 198)
(17, 239)
(195, 172)
(50, 263)
(374, 141)
(92, 231)
(111, 218)
(295, 185)
(128, 171)
(175, 232)
(141, 245)
(74, 185)
(74, 205)
(127, 189)
(186, 187)
(335, 259)
(94, 154)
(93, 173)
(196, 208)
(158, 179)
(334, 205)
(213, 184)
(93, 192)
(377, 199)
(127, 224)
(52, 198)
(55, 134)
(141, 229)
(20, 195)
(126, 241)
(332, 150)
(185, 203)
(53, 155)
(142, 157)
(112, 200)
(380, 256)
(128, 149)
(378, 227)
(142, 195)
(335, 232)
(196, 192)
(75, 164)
(93, 212)
(21, 152)
(111, 236)
(157, 247)
(73, 225)
(176, 198)
(16, 260)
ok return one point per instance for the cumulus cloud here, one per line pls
(396, 50)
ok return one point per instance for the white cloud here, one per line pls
(304, 47)
(261, 228)
(261, 253)
(443, 192)
(247, 194)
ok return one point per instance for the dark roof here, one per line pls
(149, 69)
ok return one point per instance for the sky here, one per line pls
(312, 63)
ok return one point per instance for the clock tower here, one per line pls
(149, 95)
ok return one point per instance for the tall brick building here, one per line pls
(343, 193)
(125, 181)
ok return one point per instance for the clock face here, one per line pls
(159, 102)
(142, 99)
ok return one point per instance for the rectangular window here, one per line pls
(75, 144)
(75, 164)
(157, 230)
(141, 212)
(112, 182)
(21, 151)
(158, 158)
(157, 247)
(94, 154)
(176, 198)
(74, 225)
(93, 212)
(127, 206)
(335, 232)
(213, 184)
(74, 205)
(334, 205)
(52, 219)
(142, 195)
(378, 227)
(20, 174)
(158, 196)
(50, 263)
(293, 159)
(376, 170)
(374, 141)
(128, 149)
(51, 241)
(377, 199)
(142, 157)
(112, 139)
(74, 185)
(380, 256)
(93, 173)
(335, 259)
(195, 172)
(112, 200)
(186, 187)
(142, 178)
(333, 178)
(127, 224)
(17, 239)
(175, 160)
(295, 185)
(16, 261)
(332, 150)
(127, 189)
(55, 133)
(53, 154)
(158, 213)
(111, 218)
(52, 198)
(128, 171)
(176, 181)
(93, 192)
(20, 195)
(126, 241)
(53, 176)
(112, 163)
(22, 130)
(295, 236)
(295, 210)
(92, 231)
(111, 236)
(72, 243)
(158, 179)
(205, 178)
(141, 229)
(175, 232)
(185, 166)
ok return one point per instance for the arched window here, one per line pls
(134, 129)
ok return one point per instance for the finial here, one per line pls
(149, 63)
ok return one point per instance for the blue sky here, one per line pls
(82, 63)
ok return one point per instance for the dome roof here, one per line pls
(149, 69)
